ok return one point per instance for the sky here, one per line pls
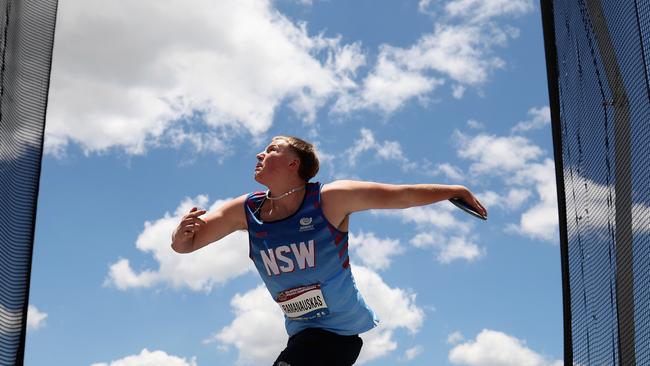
(158, 106)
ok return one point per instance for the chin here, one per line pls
(258, 178)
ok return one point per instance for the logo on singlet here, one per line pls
(305, 221)
(279, 260)
(305, 224)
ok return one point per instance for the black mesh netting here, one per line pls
(597, 61)
(26, 36)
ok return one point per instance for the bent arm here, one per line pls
(219, 223)
(346, 196)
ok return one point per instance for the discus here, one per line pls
(466, 207)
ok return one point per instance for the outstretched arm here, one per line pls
(194, 232)
(342, 197)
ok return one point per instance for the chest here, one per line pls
(294, 244)
(270, 211)
(303, 226)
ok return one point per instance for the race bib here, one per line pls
(305, 302)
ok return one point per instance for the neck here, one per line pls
(284, 199)
(280, 188)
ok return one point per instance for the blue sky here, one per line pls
(158, 106)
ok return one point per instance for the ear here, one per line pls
(295, 163)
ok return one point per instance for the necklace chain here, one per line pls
(268, 193)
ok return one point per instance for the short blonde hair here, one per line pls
(306, 152)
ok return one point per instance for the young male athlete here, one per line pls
(298, 240)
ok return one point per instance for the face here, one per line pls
(276, 160)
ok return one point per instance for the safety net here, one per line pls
(597, 56)
(26, 37)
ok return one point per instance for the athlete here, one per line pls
(298, 240)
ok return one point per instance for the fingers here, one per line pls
(191, 222)
(480, 207)
(190, 229)
(194, 212)
(477, 205)
(482, 210)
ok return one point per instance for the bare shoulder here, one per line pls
(333, 198)
(345, 185)
(338, 189)
(355, 186)
(333, 186)
(350, 195)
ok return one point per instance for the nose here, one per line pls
(260, 156)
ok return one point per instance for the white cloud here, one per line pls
(455, 337)
(459, 247)
(483, 10)
(539, 118)
(258, 328)
(522, 166)
(515, 160)
(424, 6)
(458, 91)
(496, 155)
(35, 318)
(373, 252)
(386, 150)
(305, 2)
(449, 249)
(438, 215)
(412, 353)
(440, 230)
(428, 239)
(345, 61)
(150, 358)
(476, 125)
(377, 343)
(201, 141)
(541, 221)
(462, 52)
(493, 348)
(233, 63)
(450, 171)
(515, 198)
(365, 143)
(123, 75)
(388, 86)
(199, 271)
(490, 199)
(395, 307)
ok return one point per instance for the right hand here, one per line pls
(190, 223)
(467, 196)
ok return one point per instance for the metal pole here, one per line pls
(548, 22)
(622, 185)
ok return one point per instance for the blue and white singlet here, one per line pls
(303, 260)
